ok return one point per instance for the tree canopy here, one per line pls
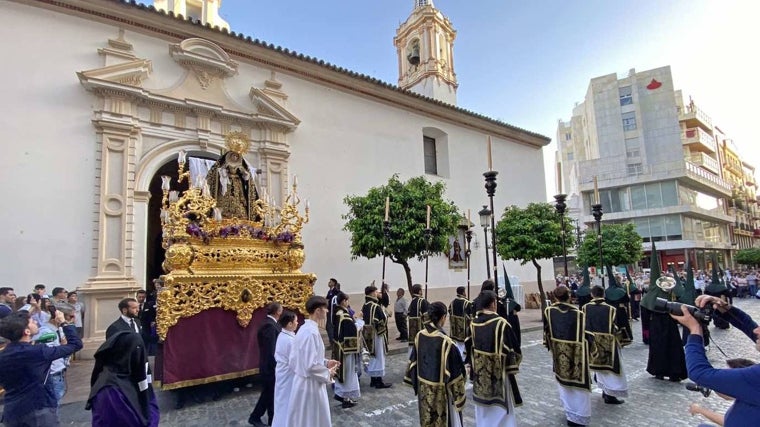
(408, 203)
(531, 234)
(749, 256)
(621, 245)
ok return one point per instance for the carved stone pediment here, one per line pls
(268, 107)
(130, 73)
(206, 60)
(120, 64)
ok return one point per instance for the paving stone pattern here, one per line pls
(651, 402)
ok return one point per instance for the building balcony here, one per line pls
(699, 140)
(694, 117)
(706, 162)
(749, 180)
(704, 177)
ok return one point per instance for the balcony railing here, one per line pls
(700, 137)
(704, 175)
(707, 162)
(691, 112)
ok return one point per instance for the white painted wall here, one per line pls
(344, 145)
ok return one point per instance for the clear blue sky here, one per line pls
(528, 62)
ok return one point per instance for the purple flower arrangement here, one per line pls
(234, 230)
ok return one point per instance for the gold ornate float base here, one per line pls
(185, 295)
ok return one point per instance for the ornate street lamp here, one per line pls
(560, 206)
(596, 210)
(485, 221)
(490, 177)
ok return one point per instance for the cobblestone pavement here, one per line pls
(651, 402)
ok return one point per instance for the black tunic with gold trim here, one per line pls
(418, 316)
(375, 323)
(604, 349)
(623, 322)
(346, 342)
(436, 372)
(494, 357)
(460, 316)
(565, 335)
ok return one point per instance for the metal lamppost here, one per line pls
(490, 177)
(596, 210)
(560, 206)
(428, 238)
(485, 221)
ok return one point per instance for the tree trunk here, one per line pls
(540, 286)
(408, 272)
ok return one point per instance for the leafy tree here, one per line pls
(621, 245)
(408, 211)
(531, 234)
(749, 256)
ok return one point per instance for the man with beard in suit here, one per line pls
(127, 321)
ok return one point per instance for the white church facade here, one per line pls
(99, 97)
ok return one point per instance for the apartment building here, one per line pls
(661, 163)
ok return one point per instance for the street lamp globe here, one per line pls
(485, 217)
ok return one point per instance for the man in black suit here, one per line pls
(267, 340)
(147, 315)
(128, 320)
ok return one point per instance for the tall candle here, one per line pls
(181, 157)
(490, 161)
(469, 221)
(295, 180)
(427, 222)
(387, 207)
(596, 191)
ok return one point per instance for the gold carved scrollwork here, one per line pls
(187, 295)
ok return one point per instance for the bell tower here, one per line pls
(206, 11)
(425, 47)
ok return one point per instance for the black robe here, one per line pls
(621, 319)
(437, 374)
(604, 347)
(666, 356)
(417, 316)
(375, 323)
(346, 342)
(565, 336)
(494, 358)
(460, 316)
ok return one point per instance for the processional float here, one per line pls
(229, 253)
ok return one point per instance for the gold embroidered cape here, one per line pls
(375, 323)
(604, 348)
(494, 359)
(418, 316)
(436, 372)
(564, 331)
(346, 342)
(460, 316)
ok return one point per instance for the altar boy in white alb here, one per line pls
(309, 405)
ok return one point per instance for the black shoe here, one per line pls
(675, 379)
(256, 422)
(381, 384)
(338, 398)
(611, 400)
(372, 381)
(347, 403)
(572, 424)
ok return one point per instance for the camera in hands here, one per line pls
(704, 314)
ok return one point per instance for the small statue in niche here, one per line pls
(231, 180)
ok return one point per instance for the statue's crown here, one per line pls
(237, 142)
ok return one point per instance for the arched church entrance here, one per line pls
(155, 253)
